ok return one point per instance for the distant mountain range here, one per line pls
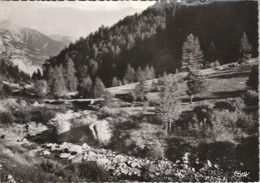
(28, 48)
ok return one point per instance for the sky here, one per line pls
(72, 19)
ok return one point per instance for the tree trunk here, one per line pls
(191, 98)
(166, 129)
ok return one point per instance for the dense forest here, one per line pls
(154, 38)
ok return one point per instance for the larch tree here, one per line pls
(169, 103)
(99, 88)
(245, 46)
(41, 88)
(72, 81)
(86, 87)
(50, 77)
(192, 55)
(115, 82)
(129, 75)
(140, 89)
(59, 86)
(195, 85)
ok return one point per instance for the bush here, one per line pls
(42, 115)
(223, 105)
(252, 82)
(88, 171)
(251, 98)
(22, 116)
(7, 90)
(6, 118)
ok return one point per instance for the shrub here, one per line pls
(42, 115)
(6, 118)
(222, 105)
(251, 98)
(252, 82)
(89, 171)
(6, 90)
(22, 116)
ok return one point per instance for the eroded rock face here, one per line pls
(101, 131)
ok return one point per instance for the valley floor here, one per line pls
(125, 141)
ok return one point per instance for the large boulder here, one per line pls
(35, 128)
(75, 149)
(101, 131)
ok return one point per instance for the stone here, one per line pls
(71, 157)
(103, 161)
(55, 147)
(64, 155)
(152, 168)
(134, 164)
(75, 148)
(46, 153)
(77, 159)
(91, 156)
(136, 171)
(49, 145)
(101, 131)
(85, 146)
(35, 128)
(120, 158)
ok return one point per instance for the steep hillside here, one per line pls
(26, 47)
(155, 37)
(66, 40)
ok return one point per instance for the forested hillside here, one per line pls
(155, 37)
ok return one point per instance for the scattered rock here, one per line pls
(77, 159)
(46, 153)
(120, 158)
(76, 149)
(91, 156)
(64, 155)
(103, 161)
(85, 146)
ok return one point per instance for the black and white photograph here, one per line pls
(129, 91)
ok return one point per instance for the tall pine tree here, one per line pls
(99, 88)
(129, 75)
(86, 87)
(59, 86)
(192, 55)
(245, 46)
(71, 79)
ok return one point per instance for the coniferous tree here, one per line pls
(129, 75)
(83, 72)
(195, 85)
(252, 82)
(192, 55)
(72, 81)
(99, 88)
(245, 46)
(140, 89)
(50, 77)
(140, 75)
(86, 87)
(115, 82)
(59, 86)
(168, 106)
(41, 88)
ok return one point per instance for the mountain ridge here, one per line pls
(25, 47)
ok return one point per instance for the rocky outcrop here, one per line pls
(101, 131)
(35, 128)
